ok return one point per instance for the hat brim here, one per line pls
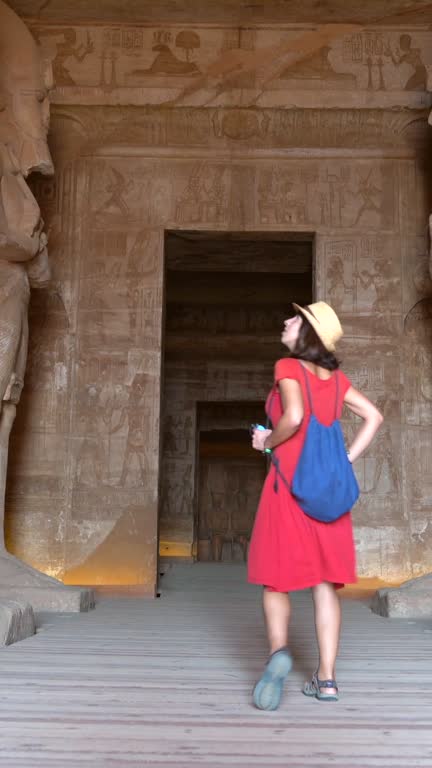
(315, 325)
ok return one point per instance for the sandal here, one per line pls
(314, 689)
(268, 690)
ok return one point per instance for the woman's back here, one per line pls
(327, 391)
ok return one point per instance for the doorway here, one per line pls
(226, 297)
(229, 479)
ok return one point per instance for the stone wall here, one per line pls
(156, 130)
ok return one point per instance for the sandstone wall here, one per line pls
(152, 131)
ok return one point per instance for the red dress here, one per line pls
(289, 550)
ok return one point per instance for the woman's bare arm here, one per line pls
(292, 416)
(372, 420)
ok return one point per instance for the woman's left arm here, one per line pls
(289, 422)
(292, 416)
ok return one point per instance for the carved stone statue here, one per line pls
(24, 118)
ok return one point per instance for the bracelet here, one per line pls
(267, 450)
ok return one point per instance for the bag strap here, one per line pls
(308, 389)
(278, 473)
(309, 393)
(337, 396)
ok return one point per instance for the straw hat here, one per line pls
(324, 321)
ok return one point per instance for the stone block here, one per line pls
(59, 599)
(412, 600)
(16, 621)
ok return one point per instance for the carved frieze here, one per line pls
(92, 128)
(340, 65)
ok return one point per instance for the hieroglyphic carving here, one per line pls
(226, 319)
(353, 197)
(377, 51)
(227, 501)
(416, 276)
(279, 201)
(165, 61)
(240, 125)
(363, 275)
(136, 412)
(324, 195)
(115, 422)
(407, 54)
(376, 372)
(319, 66)
(204, 66)
(205, 197)
(129, 39)
(116, 190)
(418, 363)
(272, 129)
(67, 48)
(419, 455)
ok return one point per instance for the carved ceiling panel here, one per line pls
(228, 11)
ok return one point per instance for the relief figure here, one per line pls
(137, 419)
(67, 49)
(412, 56)
(166, 62)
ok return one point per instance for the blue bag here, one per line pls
(324, 483)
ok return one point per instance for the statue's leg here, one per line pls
(12, 570)
(7, 418)
(19, 581)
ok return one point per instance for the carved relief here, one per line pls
(280, 201)
(363, 275)
(204, 66)
(417, 277)
(155, 126)
(205, 196)
(340, 195)
(417, 455)
(227, 502)
(137, 416)
(165, 61)
(318, 66)
(361, 196)
(115, 419)
(389, 61)
(240, 125)
(375, 369)
(406, 54)
(116, 190)
(418, 363)
(67, 48)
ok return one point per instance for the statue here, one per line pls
(24, 118)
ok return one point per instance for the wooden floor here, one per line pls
(168, 682)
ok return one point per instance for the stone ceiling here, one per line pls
(228, 11)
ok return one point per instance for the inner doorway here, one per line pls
(229, 479)
(226, 297)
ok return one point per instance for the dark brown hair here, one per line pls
(309, 347)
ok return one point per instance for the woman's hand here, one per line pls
(372, 420)
(259, 437)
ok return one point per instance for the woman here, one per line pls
(290, 550)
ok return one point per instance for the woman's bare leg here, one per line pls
(268, 690)
(327, 625)
(277, 609)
